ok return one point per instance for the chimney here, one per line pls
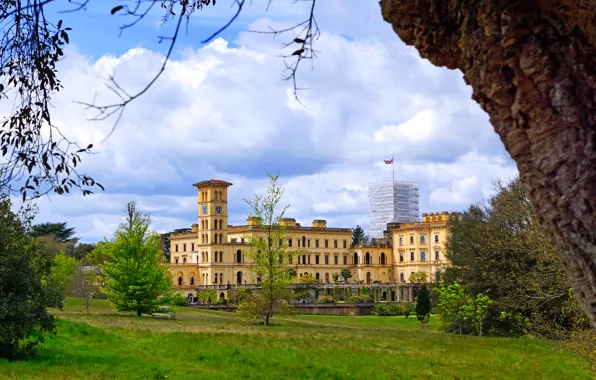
(319, 223)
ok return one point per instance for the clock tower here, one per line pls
(213, 213)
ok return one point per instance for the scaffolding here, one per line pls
(392, 202)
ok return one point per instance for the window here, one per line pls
(367, 258)
(437, 255)
(422, 239)
(308, 243)
(234, 241)
(422, 256)
(303, 259)
(326, 259)
(215, 279)
(216, 256)
(335, 259)
(192, 280)
(326, 243)
(317, 243)
(317, 276)
(382, 258)
(298, 242)
(401, 240)
(175, 258)
(402, 277)
(184, 247)
(192, 247)
(411, 256)
(436, 238)
(316, 259)
(242, 242)
(345, 244)
(401, 256)
(309, 259)
(221, 278)
(289, 242)
(355, 258)
(345, 260)
(298, 259)
(411, 239)
(303, 241)
(180, 280)
(238, 256)
(176, 247)
(334, 243)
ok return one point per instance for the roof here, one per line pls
(212, 183)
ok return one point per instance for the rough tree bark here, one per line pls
(532, 66)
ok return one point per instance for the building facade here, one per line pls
(213, 253)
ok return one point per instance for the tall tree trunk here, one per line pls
(532, 67)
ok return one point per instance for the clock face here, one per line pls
(218, 209)
(204, 209)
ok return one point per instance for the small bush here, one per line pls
(384, 310)
(177, 300)
(325, 299)
(359, 298)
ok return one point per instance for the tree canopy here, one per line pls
(499, 250)
(25, 293)
(58, 231)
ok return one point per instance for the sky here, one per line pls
(221, 110)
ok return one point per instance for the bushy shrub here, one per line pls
(388, 310)
(177, 300)
(237, 296)
(359, 298)
(325, 299)
(208, 296)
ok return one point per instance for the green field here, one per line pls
(217, 345)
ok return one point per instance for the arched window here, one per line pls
(411, 239)
(192, 280)
(221, 239)
(317, 276)
(422, 239)
(304, 241)
(238, 256)
(184, 260)
(180, 280)
(326, 277)
(383, 258)
(367, 258)
(368, 277)
(355, 258)
(215, 238)
(422, 256)
(221, 256)
(215, 279)
(401, 256)
(239, 277)
(216, 256)
(221, 278)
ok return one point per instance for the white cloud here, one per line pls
(223, 111)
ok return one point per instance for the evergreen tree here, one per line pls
(59, 231)
(423, 305)
(24, 299)
(135, 278)
(358, 235)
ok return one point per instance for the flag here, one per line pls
(388, 162)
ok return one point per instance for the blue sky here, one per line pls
(221, 110)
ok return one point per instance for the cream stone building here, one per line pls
(214, 253)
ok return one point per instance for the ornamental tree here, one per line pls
(135, 279)
(270, 257)
(423, 305)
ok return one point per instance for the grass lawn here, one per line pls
(217, 345)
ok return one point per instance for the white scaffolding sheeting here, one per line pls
(392, 202)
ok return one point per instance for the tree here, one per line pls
(423, 305)
(63, 271)
(358, 236)
(346, 274)
(80, 251)
(418, 277)
(135, 279)
(58, 231)
(24, 299)
(84, 284)
(506, 50)
(498, 249)
(270, 257)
